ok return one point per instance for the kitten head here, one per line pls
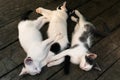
(32, 67)
(88, 62)
(63, 7)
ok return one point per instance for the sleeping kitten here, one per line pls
(37, 50)
(81, 42)
(58, 24)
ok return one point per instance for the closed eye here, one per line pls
(35, 68)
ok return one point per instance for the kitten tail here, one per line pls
(67, 65)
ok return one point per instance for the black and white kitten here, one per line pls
(81, 42)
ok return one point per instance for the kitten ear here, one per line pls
(28, 61)
(24, 71)
(92, 55)
(63, 6)
(97, 67)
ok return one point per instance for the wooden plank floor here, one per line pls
(100, 12)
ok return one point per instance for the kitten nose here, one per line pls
(39, 70)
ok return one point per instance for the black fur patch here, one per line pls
(59, 7)
(68, 46)
(89, 30)
(55, 48)
(86, 45)
(95, 32)
(84, 36)
(90, 60)
(67, 65)
(89, 27)
(67, 62)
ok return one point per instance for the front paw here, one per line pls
(38, 10)
(49, 65)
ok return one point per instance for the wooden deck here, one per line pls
(100, 12)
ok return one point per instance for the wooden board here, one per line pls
(13, 75)
(8, 34)
(113, 73)
(13, 55)
(14, 9)
(10, 10)
(97, 7)
(110, 17)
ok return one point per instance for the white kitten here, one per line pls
(37, 50)
(58, 23)
(81, 42)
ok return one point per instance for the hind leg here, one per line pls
(57, 62)
(41, 21)
(45, 12)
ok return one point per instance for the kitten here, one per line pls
(58, 24)
(37, 50)
(81, 42)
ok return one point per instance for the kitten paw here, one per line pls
(49, 65)
(74, 19)
(38, 10)
(78, 13)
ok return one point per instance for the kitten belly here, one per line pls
(53, 31)
(75, 60)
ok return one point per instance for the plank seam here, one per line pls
(8, 44)
(18, 16)
(107, 69)
(54, 74)
(11, 70)
(105, 10)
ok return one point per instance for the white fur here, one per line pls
(58, 23)
(78, 53)
(31, 40)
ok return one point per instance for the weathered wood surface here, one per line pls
(10, 10)
(97, 11)
(96, 7)
(113, 73)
